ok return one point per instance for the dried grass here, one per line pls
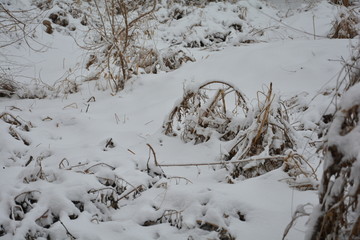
(173, 217)
(345, 3)
(206, 110)
(259, 142)
(16, 124)
(152, 61)
(7, 87)
(340, 188)
(337, 216)
(346, 25)
(268, 134)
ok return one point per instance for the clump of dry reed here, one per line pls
(211, 108)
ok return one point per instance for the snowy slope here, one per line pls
(70, 156)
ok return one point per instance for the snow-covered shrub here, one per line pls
(257, 140)
(338, 214)
(197, 24)
(38, 208)
(209, 109)
(267, 133)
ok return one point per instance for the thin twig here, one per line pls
(138, 188)
(99, 164)
(278, 157)
(67, 231)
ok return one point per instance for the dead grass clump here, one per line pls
(23, 203)
(16, 124)
(7, 87)
(173, 217)
(60, 18)
(63, 87)
(340, 192)
(151, 61)
(178, 13)
(345, 3)
(302, 176)
(223, 234)
(338, 214)
(268, 133)
(217, 37)
(346, 25)
(259, 141)
(16, 121)
(174, 59)
(210, 109)
(114, 189)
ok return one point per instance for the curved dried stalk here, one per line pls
(25, 193)
(63, 162)
(149, 170)
(313, 171)
(98, 164)
(18, 136)
(209, 108)
(67, 231)
(181, 178)
(9, 118)
(300, 212)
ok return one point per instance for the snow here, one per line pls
(69, 133)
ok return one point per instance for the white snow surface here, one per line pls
(68, 134)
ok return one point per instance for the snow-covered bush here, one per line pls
(197, 24)
(39, 209)
(267, 135)
(257, 140)
(338, 214)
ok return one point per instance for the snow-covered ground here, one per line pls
(78, 165)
